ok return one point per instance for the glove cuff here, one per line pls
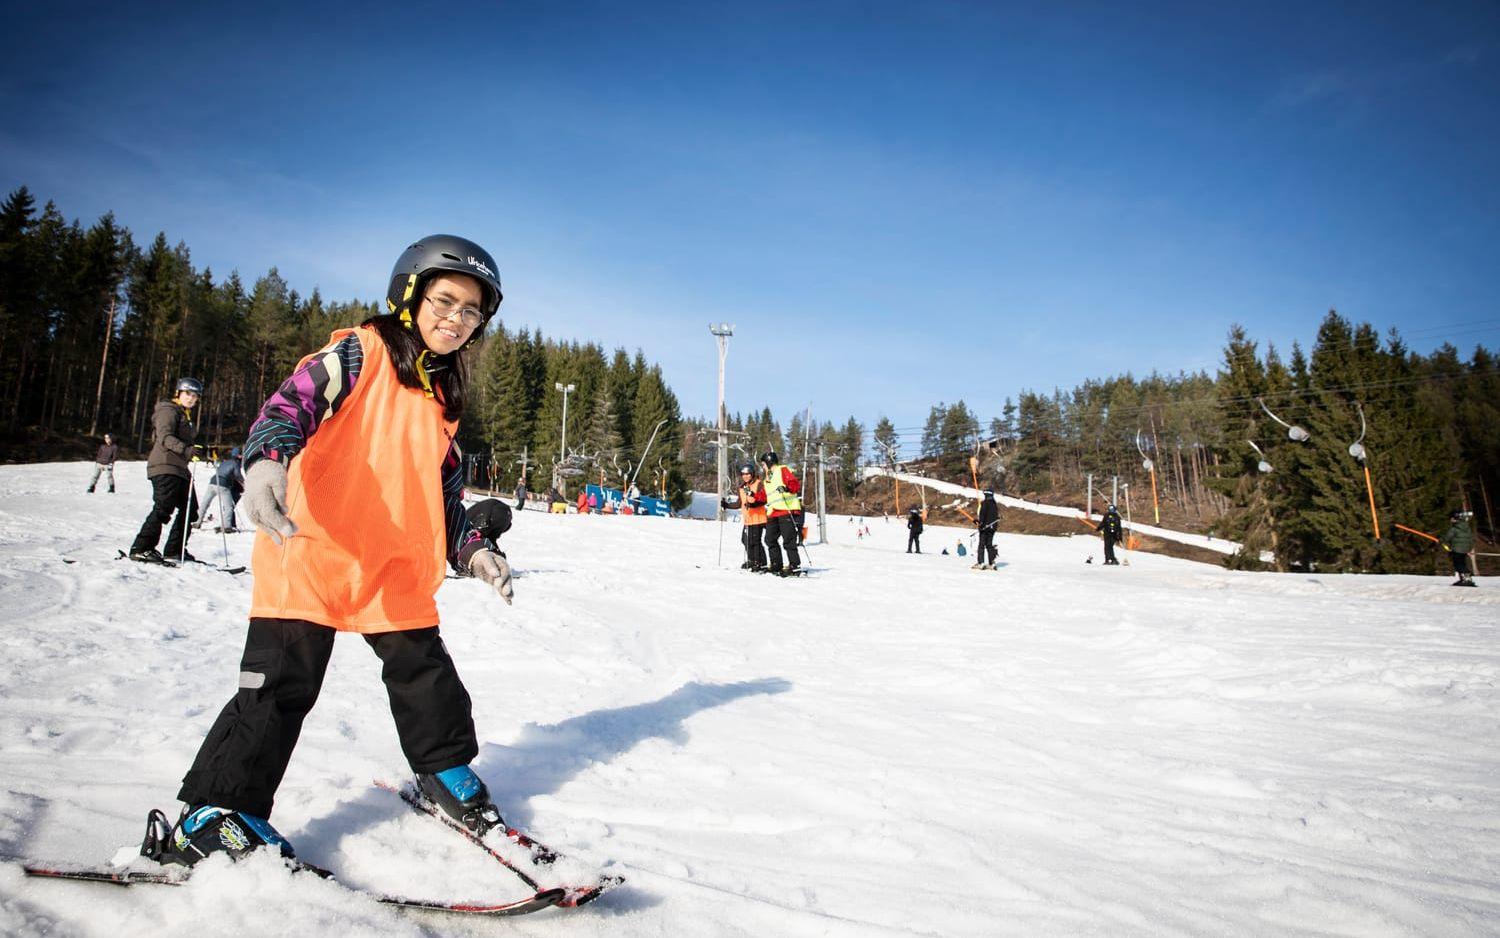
(467, 552)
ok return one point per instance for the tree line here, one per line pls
(1224, 458)
(99, 328)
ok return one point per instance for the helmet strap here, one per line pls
(411, 289)
(423, 373)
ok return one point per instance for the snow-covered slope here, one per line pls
(897, 746)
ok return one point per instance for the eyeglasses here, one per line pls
(447, 308)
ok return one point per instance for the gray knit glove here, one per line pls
(492, 569)
(264, 500)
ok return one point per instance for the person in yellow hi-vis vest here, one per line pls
(783, 507)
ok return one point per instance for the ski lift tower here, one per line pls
(721, 332)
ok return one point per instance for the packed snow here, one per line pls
(898, 745)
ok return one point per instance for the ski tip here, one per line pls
(586, 894)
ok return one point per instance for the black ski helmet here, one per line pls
(189, 384)
(438, 253)
(746, 468)
(769, 457)
(1458, 514)
(989, 493)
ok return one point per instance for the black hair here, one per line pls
(449, 373)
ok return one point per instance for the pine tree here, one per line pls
(602, 436)
(932, 431)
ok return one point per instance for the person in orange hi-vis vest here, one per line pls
(355, 485)
(750, 500)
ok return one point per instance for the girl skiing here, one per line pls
(354, 481)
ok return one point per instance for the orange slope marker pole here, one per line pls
(1418, 533)
(1374, 519)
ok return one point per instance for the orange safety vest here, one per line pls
(366, 494)
(753, 514)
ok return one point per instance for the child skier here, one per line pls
(1458, 541)
(173, 500)
(750, 501)
(1112, 530)
(368, 420)
(987, 523)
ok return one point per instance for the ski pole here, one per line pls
(187, 503)
(224, 523)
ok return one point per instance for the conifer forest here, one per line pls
(1303, 456)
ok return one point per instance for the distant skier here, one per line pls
(783, 507)
(1112, 531)
(521, 495)
(173, 500)
(227, 485)
(1458, 541)
(750, 500)
(356, 486)
(914, 530)
(104, 462)
(988, 523)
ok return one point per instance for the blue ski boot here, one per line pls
(207, 829)
(463, 797)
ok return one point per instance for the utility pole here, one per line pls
(1088, 510)
(109, 328)
(563, 450)
(524, 461)
(822, 498)
(721, 333)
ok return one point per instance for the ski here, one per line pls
(124, 877)
(234, 571)
(541, 854)
(154, 563)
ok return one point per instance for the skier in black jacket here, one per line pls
(1113, 533)
(988, 523)
(914, 526)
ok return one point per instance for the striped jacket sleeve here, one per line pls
(464, 540)
(311, 395)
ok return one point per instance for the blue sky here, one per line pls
(896, 203)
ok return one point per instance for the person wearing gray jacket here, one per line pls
(104, 462)
(172, 436)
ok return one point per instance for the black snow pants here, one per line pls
(987, 546)
(245, 754)
(169, 494)
(1109, 550)
(914, 539)
(781, 530)
(755, 547)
